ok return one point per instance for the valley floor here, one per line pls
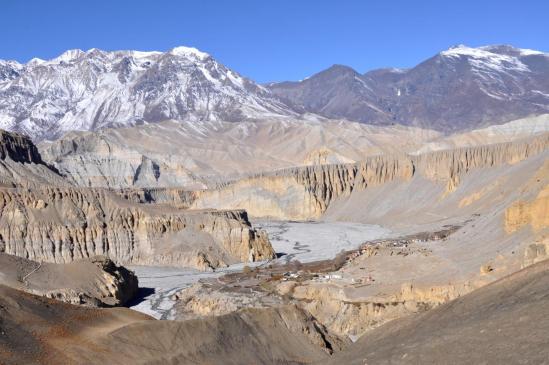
(302, 241)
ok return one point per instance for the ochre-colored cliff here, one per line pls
(44, 218)
(534, 213)
(305, 192)
(65, 224)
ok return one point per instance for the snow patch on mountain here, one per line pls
(484, 60)
(189, 52)
(89, 90)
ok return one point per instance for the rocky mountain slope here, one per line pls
(89, 90)
(96, 281)
(41, 331)
(502, 322)
(151, 156)
(458, 219)
(458, 89)
(492, 325)
(197, 148)
(44, 218)
(507, 132)
(22, 165)
(65, 224)
(303, 193)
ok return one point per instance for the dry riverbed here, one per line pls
(303, 241)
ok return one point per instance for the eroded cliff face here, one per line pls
(21, 164)
(65, 224)
(92, 160)
(306, 192)
(449, 166)
(346, 306)
(355, 317)
(177, 197)
(18, 148)
(533, 213)
(44, 217)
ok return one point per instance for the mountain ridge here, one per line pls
(458, 89)
(89, 90)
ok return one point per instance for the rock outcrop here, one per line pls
(18, 148)
(44, 218)
(95, 281)
(534, 213)
(22, 165)
(536, 252)
(325, 156)
(502, 323)
(356, 317)
(177, 197)
(65, 224)
(303, 193)
(93, 160)
(195, 155)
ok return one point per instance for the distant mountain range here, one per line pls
(458, 89)
(90, 90)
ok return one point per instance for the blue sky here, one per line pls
(270, 40)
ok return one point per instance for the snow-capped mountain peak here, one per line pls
(69, 56)
(511, 51)
(189, 52)
(495, 52)
(87, 90)
(484, 59)
(457, 89)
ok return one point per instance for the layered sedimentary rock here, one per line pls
(65, 224)
(21, 164)
(18, 148)
(195, 154)
(95, 281)
(450, 165)
(306, 192)
(397, 277)
(346, 316)
(349, 302)
(177, 197)
(44, 218)
(93, 160)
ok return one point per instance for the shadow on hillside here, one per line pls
(142, 294)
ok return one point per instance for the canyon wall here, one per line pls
(44, 217)
(303, 193)
(22, 165)
(18, 148)
(65, 224)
